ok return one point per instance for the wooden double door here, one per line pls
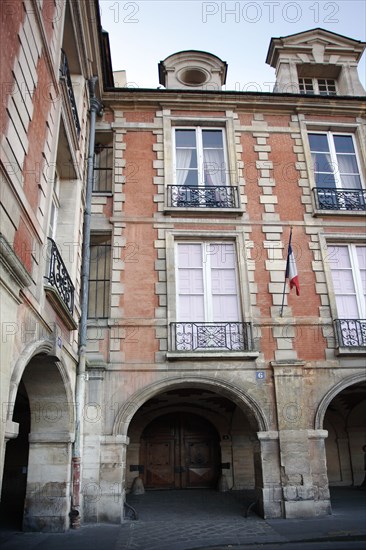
(180, 451)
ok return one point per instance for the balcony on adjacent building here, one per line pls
(65, 76)
(340, 199)
(59, 288)
(219, 336)
(351, 333)
(210, 196)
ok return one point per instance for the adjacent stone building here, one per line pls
(198, 374)
(49, 52)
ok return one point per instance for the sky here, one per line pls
(144, 32)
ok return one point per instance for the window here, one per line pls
(103, 166)
(55, 205)
(99, 276)
(201, 169)
(348, 267)
(336, 171)
(207, 302)
(318, 86)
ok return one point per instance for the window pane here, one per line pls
(323, 163)
(351, 182)
(185, 138)
(324, 180)
(347, 164)
(318, 142)
(212, 138)
(343, 144)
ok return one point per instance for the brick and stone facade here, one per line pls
(269, 403)
(266, 400)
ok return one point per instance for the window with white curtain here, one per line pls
(348, 267)
(336, 172)
(208, 311)
(335, 160)
(200, 157)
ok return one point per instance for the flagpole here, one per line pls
(284, 283)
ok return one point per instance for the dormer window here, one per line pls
(317, 86)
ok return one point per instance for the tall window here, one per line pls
(99, 276)
(208, 305)
(336, 170)
(206, 282)
(200, 156)
(201, 169)
(348, 267)
(103, 167)
(55, 205)
(319, 86)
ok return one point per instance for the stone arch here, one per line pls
(41, 348)
(237, 396)
(331, 394)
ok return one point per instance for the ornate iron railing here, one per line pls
(210, 196)
(65, 74)
(340, 199)
(212, 336)
(58, 276)
(351, 332)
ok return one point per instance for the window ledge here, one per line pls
(59, 307)
(212, 212)
(211, 354)
(343, 351)
(318, 213)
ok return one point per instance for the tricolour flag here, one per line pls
(291, 269)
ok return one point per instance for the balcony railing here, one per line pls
(351, 332)
(58, 276)
(220, 336)
(65, 74)
(340, 199)
(212, 196)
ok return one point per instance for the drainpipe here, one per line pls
(95, 109)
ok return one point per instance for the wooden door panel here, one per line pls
(200, 461)
(180, 451)
(160, 464)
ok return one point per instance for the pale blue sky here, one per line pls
(144, 32)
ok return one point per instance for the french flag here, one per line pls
(291, 269)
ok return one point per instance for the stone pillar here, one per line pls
(133, 459)
(267, 475)
(356, 437)
(112, 475)
(47, 502)
(318, 463)
(344, 460)
(295, 452)
(227, 460)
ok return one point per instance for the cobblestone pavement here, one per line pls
(208, 520)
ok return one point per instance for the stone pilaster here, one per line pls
(267, 475)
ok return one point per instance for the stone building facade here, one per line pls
(50, 50)
(194, 375)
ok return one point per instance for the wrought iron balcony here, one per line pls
(210, 196)
(351, 332)
(65, 74)
(58, 276)
(340, 199)
(220, 336)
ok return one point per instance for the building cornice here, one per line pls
(208, 100)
